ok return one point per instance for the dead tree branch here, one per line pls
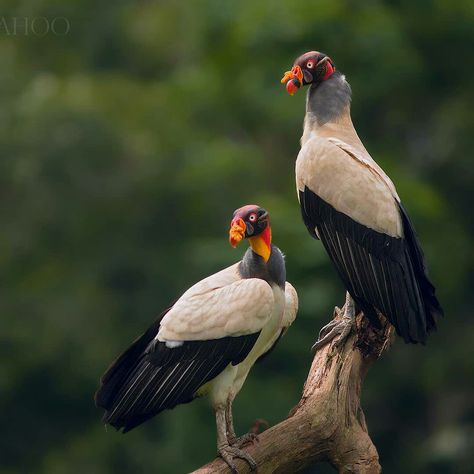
(328, 424)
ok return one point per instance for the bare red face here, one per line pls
(247, 221)
(310, 68)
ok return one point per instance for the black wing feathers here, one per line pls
(124, 364)
(430, 301)
(150, 377)
(382, 273)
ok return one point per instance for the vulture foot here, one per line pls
(340, 326)
(229, 453)
(247, 438)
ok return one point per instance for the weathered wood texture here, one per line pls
(328, 424)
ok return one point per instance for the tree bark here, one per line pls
(328, 424)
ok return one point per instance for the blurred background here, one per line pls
(126, 142)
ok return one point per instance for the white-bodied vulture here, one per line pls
(351, 205)
(207, 342)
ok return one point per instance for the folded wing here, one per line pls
(369, 238)
(214, 324)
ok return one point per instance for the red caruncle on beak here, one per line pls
(292, 86)
(293, 79)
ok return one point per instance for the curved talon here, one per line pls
(325, 330)
(337, 327)
(336, 330)
(338, 312)
(229, 453)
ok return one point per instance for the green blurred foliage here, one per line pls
(125, 147)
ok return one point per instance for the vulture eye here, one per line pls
(310, 64)
(253, 217)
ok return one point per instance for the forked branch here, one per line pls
(328, 424)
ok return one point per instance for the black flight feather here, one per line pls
(382, 273)
(150, 377)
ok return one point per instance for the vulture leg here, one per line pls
(227, 452)
(231, 436)
(229, 420)
(338, 327)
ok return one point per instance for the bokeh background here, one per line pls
(125, 146)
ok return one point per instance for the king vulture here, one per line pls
(207, 342)
(351, 205)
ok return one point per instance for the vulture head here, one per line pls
(309, 68)
(252, 222)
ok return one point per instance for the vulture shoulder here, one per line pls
(289, 315)
(291, 306)
(221, 305)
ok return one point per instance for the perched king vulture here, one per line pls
(207, 342)
(351, 205)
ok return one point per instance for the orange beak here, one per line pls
(293, 79)
(237, 231)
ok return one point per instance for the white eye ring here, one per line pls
(310, 64)
(252, 217)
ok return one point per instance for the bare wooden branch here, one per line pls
(328, 424)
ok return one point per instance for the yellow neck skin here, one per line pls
(261, 244)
